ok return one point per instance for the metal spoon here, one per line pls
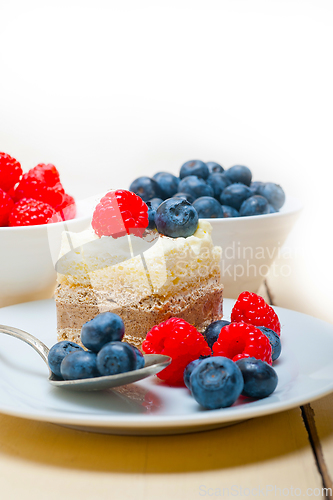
(154, 363)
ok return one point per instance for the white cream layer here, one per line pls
(164, 266)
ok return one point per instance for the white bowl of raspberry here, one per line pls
(28, 255)
(34, 212)
(251, 244)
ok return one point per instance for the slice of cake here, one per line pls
(144, 279)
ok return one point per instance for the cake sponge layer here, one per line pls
(199, 305)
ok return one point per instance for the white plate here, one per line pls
(305, 372)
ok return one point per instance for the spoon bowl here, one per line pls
(154, 363)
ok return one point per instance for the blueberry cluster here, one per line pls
(211, 190)
(217, 382)
(106, 354)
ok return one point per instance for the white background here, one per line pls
(109, 90)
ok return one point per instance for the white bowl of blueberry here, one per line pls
(250, 219)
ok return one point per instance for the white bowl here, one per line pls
(28, 256)
(250, 245)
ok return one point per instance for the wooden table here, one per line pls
(285, 454)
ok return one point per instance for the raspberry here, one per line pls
(41, 183)
(67, 210)
(29, 212)
(252, 309)
(6, 205)
(241, 340)
(120, 212)
(46, 173)
(179, 340)
(11, 193)
(10, 172)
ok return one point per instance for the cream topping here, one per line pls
(163, 266)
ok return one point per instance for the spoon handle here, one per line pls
(41, 348)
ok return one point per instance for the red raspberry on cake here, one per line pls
(179, 340)
(10, 171)
(240, 340)
(29, 212)
(252, 309)
(6, 206)
(120, 212)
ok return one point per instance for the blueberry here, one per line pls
(151, 216)
(208, 208)
(152, 205)
(194, 167)
(255, 205)
(105, 327)
(116, 357)
(274, 340)
(146, 188)
(218, 182)
(239, 173)
(195, 187)
(229, 211)
(58, 352)
(273, 193)
(184, 196)
(176, 218)
(214, 167)
(168, 184)
(260, 379)
(255, 185)
(213, 331)
(155, 202)
(272, 209)
(216, 382)
(188, 371)
(79, 364)
(235, 194)
(140, 360)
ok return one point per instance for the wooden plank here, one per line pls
(320, 414)
(324, 418)
(263, 292)
(270, 454)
